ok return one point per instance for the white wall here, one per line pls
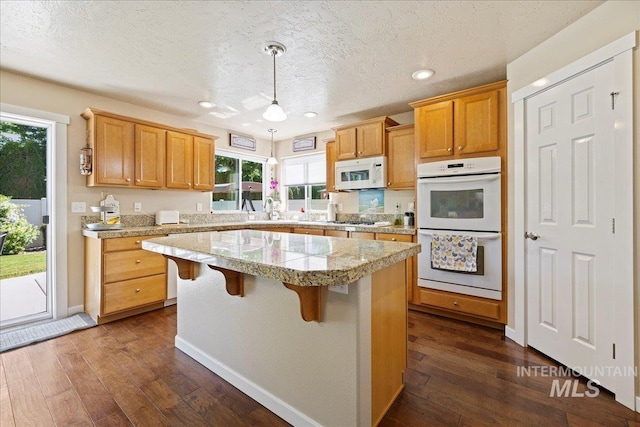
(40, 95)
(603, 25)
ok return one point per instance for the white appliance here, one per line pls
(461, 197)
(167, 217)
(460, 194)
(369, 172)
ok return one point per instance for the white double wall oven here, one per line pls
(461, 197)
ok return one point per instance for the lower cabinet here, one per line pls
(310, 231)
(336, 233)
(462, 304)
(122, 279)
(411, 261)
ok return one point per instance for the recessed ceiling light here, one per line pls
(310, 114)
(206, 104)
(422, 74)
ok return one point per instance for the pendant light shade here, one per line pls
(272, 160)
(274, 112)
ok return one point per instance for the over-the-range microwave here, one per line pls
(357, 174)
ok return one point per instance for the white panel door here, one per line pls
(570, 207)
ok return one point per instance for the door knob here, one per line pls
(532, 236)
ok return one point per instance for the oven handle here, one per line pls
(443, 180)
(491, 236)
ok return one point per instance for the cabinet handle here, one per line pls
(455, 303)
(459, 147)
(449, 149)
(138, 290)
(138, 261)
(128, 179)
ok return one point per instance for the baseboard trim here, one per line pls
(172, 301)
(75, 310)
(510, 333)
(262, 396)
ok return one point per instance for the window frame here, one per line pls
(304, 159)
(266, 176)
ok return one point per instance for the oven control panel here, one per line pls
(478, 165)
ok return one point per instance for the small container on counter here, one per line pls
(409, 219)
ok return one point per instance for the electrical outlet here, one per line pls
(78, 207)
(199, 207)
(137, 207)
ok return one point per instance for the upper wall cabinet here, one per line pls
(401, 171)
(330, 153)
(461, 123)
(134, 153)
(364, 139)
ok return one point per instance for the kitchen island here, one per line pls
(260, 311)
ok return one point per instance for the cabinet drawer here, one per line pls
(336, 233)
(312, 231)
(126, 243)
(131, 264)
(394, 237)
(461, 303)
(133, 293)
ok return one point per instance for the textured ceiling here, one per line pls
(346, 61)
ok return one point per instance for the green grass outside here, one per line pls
(22, 264)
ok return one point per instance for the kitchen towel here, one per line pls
(454, 252)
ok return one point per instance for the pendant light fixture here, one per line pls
(272, 160)
(274, 112)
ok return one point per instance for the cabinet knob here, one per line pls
(393, 239)
(138, 261)
(455, 303)
(188, 183)
(138, 290)
(137, 242)
(459, 147)
(359, 152)
(389, 183)
(449, 149)
(137, 180)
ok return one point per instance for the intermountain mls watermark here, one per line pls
(570, 387)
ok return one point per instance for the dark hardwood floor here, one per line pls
(129, 373)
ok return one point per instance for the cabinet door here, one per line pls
(434, 130)
(330, 153)
(410, 263)
(476, 123)
(179, 160)
(203, 164)
(346, 144)
(361, 235)
(370, 139)
(149, 156)
(400, 150)
(114, 152)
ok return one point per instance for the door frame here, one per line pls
(620, 52)
(57, 202)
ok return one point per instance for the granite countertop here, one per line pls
(222, 226)
(298, 259)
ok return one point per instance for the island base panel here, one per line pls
(308, 373)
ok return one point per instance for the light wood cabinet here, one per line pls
(462, 304)
(461, 124)
(330, 154)
(149, 156)
(179, 160)
(364, 139)
(310, 231)
(113, 151)
(122, 279)
(138, 154)
(401, 170)
(411, 263)
(336, 233)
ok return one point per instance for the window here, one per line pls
(239, 183)
(305, 183)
